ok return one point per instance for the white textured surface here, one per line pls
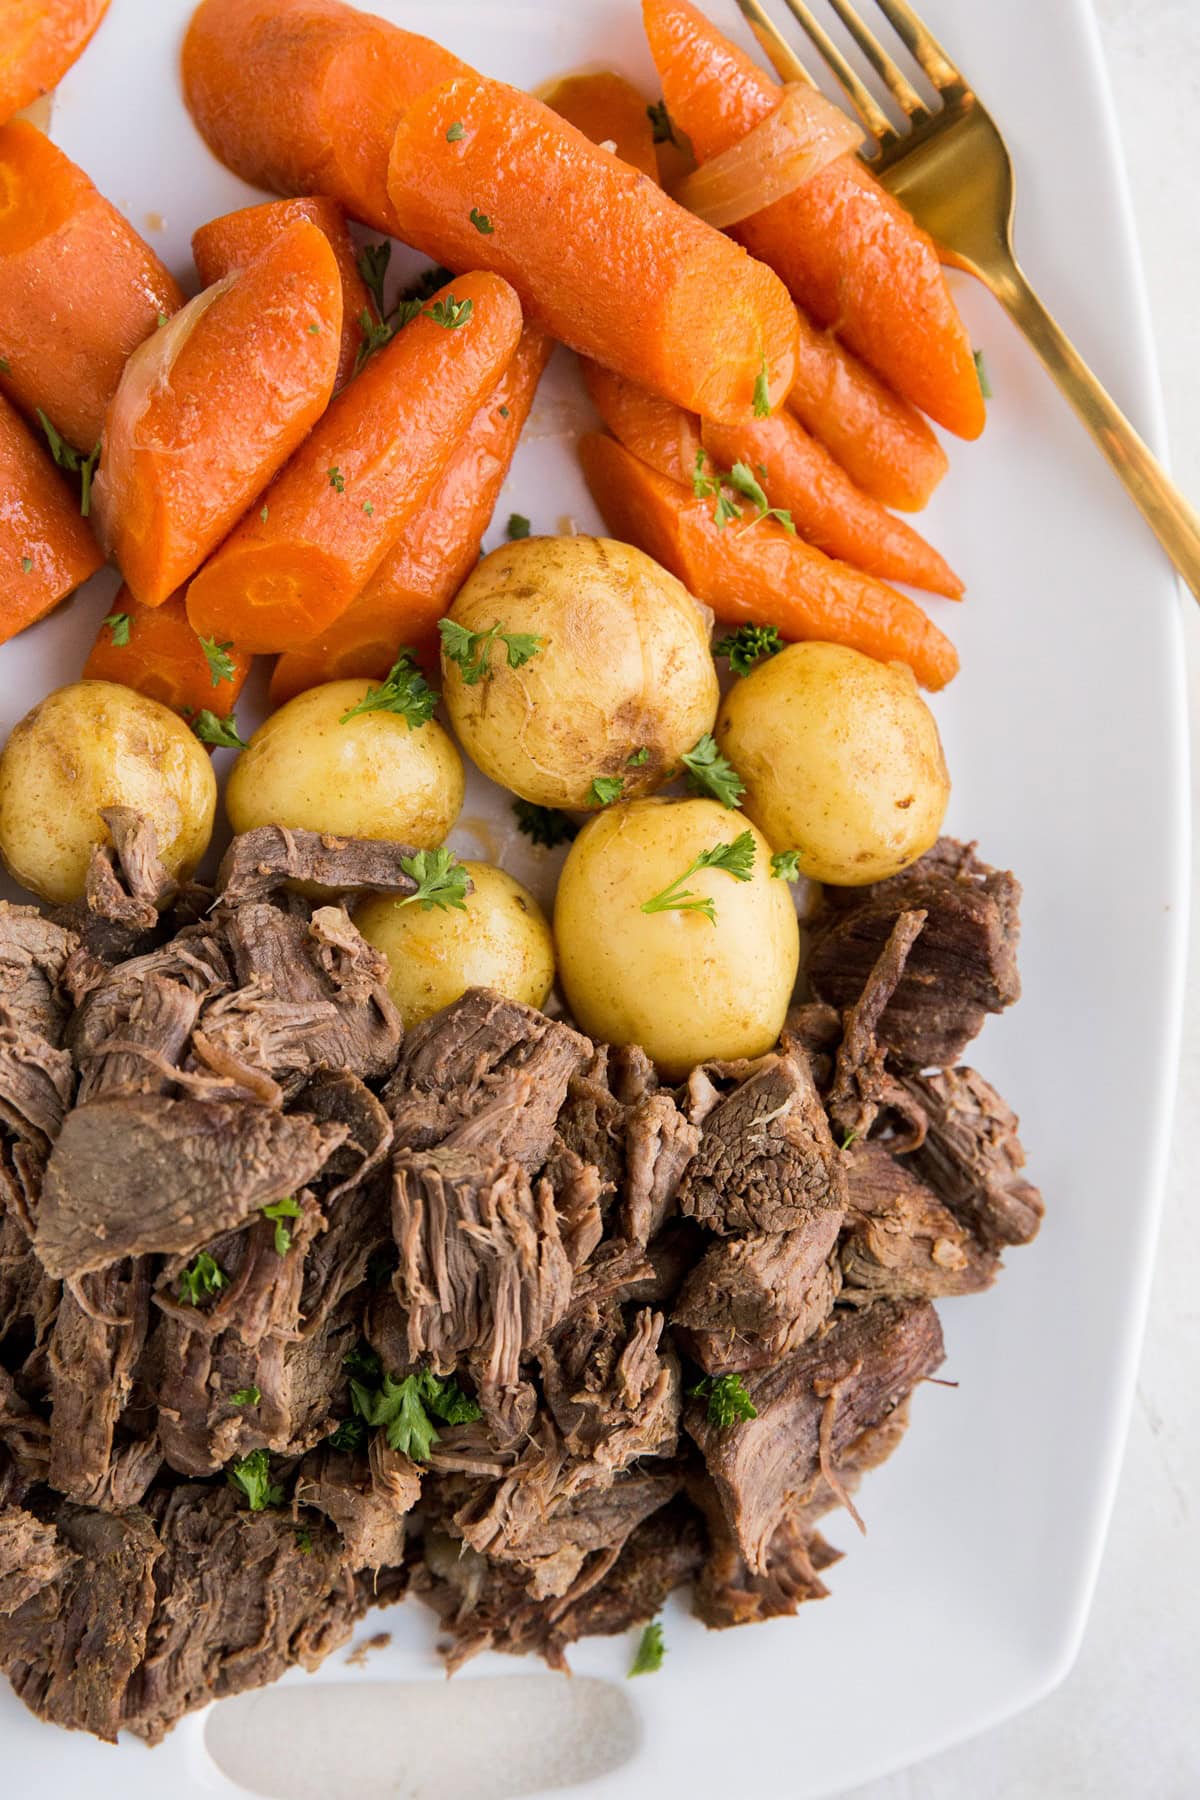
(1125, 1725)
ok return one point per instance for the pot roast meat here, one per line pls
(660, 1143)
(727, 1593)
(862, 1082)
(752, 1299)
(902, 1240)
(147, 1045)
(259, 862)
(613, 1386)
(31, 1557)
(972, 1158)
(33, 955)
(367, 1500)
(36, 1083)
(98, 1337)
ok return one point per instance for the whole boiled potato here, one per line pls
(374, 776)
(91, 745)
(622, 682)
(841, 759)
(501, 941)
(684, 987)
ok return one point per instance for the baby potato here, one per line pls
(682, 987)
(375, 776)
(622, 684)
(90, 745)
(501, 941)
(841, 759)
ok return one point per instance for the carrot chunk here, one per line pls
(659, 433)
(155, 650)
(39, 42)
(608, 110)
(46, 549)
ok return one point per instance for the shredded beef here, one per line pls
(260, 861)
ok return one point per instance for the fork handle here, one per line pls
(1172, 520)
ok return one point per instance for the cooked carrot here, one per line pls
(760, 573)
(481, 173)
(327, 521)
(416, 581)
(847, 250)
(155, 650)
(46, 549)
(302, 96)
(79, 290)
(211, 406)
(799, 475)
(39, 42)
(658, 432)
(608, 110)
(236, 238)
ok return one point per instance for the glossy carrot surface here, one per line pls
(39, 40)
(663, 435)
(155, 650)
(46, 548)
(79, 290)
(607, 109)
(211, 406)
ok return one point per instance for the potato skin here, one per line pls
(501, 941)
(94, 744)
(841, 758)
(624, 667)
(373, 777)
(684, 989)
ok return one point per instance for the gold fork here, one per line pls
(952, 170)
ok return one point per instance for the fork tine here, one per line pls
(860, 97)
(920, 41)
(902, 90)
(783, 58)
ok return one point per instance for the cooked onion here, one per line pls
(786, 149)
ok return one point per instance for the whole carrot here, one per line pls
(608, 110)
(757, 571)
(211, 406)
(847, 250)
(656, 431)
(79, 290)
(327, 521)
(236, 238)
(46, 549)
(39, 42)
(416, 581)
(481, 173)
(155, 650)
(302, 96)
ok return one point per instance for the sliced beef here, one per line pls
(260, 861)
(356, 1246)
(963, 967)
(33, 955)
(147, 1043)
(810, 1407)
(98, 1337)
(31, 1557)
(752, 1299)
(486, 1074)
(141, 1173)
(36, 1083)
(367, 1500)
(902, 1240)
(766, 1160)
(972, 1158)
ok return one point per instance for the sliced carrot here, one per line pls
(847, 250)
(599, 254)
(659, 433)
(762, 573)
(608, 110)
(79, 290)
(155, 650)
(416, 581)
(211, 406)
(328, 520)
(236, 238)
(302, 96)
(46, 549)
(40, 41)
(799, 475)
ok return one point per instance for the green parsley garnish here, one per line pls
(68, 458)
(708, 772)
(402, 1409)
(785, 865)
(375, 334)
(5, 366)
(350, 1435)
(162, 319)
(304, 1543)
(373, 260)
(247, 1396)
(660, 122)
(279, 1210)
(605, 789)
(481, 222)
(337, 480)
(204, 1278)
(728, 1401)
(450, 312)
(26, 565)
(729, 490)
(504, 412)
(253, 1475)
(221, 732)
(314, 329)
(456, 133)
(518, 526)
(848, 1139)
(650, 1651)
(441, 880)
(265, 514)
(748, 645)
(985, 386)
(762, 392)
(220, 663)
(362, 1362)
(471, 650)
(544, 825)
(120, 625)
(736, 858)
(638, 758)
(368, 509)
(404, 690)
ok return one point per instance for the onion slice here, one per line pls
(787, 148)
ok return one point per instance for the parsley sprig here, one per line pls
(279, 1210)
(120, 624)
(605, 789)
(247, 1396)
(648, 1658)
(708, 772)
(404, 690)
(730, 488)
(67, 457)
(373, 260)
(472, 650)
(402, 1409)
(762, 391)
(378, 331)
(544, 825)
(201, 1279)
(748, 645)
(350, 1435)
(252, 1474)
(736, 858)
(785, 865)
(223, 733)
(728, 1401)
(985, 386)
(220, 663)
(441, 880)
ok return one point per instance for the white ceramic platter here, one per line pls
(1065, 738)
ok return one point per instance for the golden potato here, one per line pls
(90, 745)
(501, 941)
(375, 776)
(683, 987)
(624, 670)
(841, 759)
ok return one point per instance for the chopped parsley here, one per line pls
(373, 260)
(404, 690)
(279, 1210)
(985, 386)
(337, 480)
(402, 1409)
(350, 1435)
(265, 514)
(736, 858)
(762, 392)
(481, 222)
(441, 880)
(518, 526)
(728, 1401)
(201, 1279)
(27, 565)
(748, 645)
(68, 458)
(252, 1474)
(605, 789)
(304, 1543)
(220, 663)
(544, 825)
(314, 329)
(785, 865)
(163, 318)
(221, 732)
(848, 1139)
(639, 758)
(368, 509)
(471, 650)
(660, 123)
(119, 625)
(376, 332)
(450, 313)
(247, 1396)
(708, 772)
(5, 366)
(648, 1658)
(729, 489)
(456, 133)
(504, 412)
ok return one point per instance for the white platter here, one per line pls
(1065, 736)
